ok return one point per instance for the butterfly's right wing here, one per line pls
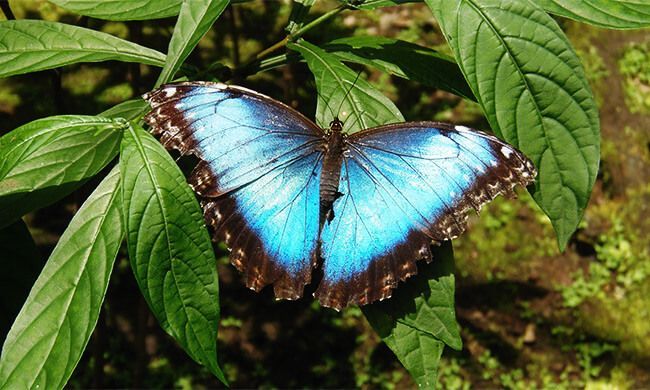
(258, 176)
(402, 187)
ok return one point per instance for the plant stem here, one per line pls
(264, 53)
(292, 37)
(275, 61)
(301, 31)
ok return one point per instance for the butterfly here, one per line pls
(288, 197)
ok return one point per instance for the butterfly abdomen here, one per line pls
(330, 175)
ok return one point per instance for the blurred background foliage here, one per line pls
(530, 316)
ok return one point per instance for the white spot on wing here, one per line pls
(462, 128)
(170, 92)
(506, 151)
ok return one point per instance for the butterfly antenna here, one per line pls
(321, 97)
(358, 118)
(347, 93)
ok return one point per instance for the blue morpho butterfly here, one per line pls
(285, 194)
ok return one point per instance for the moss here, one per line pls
(451, 375)
(489, 249)
(614, 291)
(635, 67)
(625, 320)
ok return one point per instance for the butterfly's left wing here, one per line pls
(404, 186)
(258, 176)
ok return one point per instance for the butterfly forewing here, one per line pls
(258, 176)
(404, 186)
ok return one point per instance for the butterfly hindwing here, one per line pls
(404, 186)
(258, 176)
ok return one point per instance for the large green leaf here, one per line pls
(342, 93)
(403, 59)
(169, 247)
(533, 91)
(46, 159)
(621, 14)
(419, 319)
(51, 332)
(195, 19)
(122, 9)
(21, 263)
(33, 45)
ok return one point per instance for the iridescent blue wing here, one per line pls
(405, 186)
(258, 176)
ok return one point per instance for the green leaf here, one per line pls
(33, 45)
(342, 93)
(195, 19)
(129, 110)
(419, 319)
(51, 332)
(534, 93)
(21, 263)
(373, 4)
(48, 158)
(122, 9)
(403, 59)
(619, 14)
(169, 247)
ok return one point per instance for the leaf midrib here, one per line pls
(64, 122)
(170, 67)
(51, 174)
(153, 178)
(604, 11)
(95, 34)
(548, 143)
(340, 82)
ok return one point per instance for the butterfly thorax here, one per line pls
(331, 170)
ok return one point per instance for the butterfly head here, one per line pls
(336, 125)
